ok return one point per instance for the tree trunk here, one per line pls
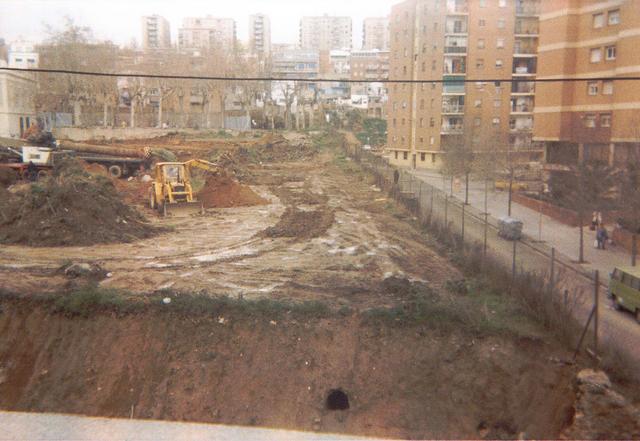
(160, 113)
(581, 251)
(77, 113)
(132, 119)
(105, 111)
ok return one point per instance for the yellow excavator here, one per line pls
(171, 190)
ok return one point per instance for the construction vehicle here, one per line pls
(171, 191)
(32, 161)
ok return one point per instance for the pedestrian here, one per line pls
(602, 236)
(396, 176)
(594, 221)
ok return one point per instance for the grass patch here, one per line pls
(88, 300)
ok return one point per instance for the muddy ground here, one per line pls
(416, 359)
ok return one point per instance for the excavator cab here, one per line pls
(171, 191)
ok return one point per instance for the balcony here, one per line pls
(456, 26)
(521, 124)
(452, 108)
(523, 104)
(454, 66)
(525, 48)
(452, 126)
(453, 88)
(457, 7)
(527, 8)
(524, 67)
(527, 27)
(523, 88)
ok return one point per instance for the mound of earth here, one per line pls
(7, 177)
(302, 224)
(70, 208)
(223, 192)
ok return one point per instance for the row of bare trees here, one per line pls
(74, 48)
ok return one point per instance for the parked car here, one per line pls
(624, 290)
(509, 228)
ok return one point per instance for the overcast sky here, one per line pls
(119, 20)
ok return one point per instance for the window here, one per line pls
(595, 55)
(496, 121)
(396, 153)
(614, 17)
(598, 20)
(433, 157)
(499, 63)
(483, 3)
(421, 122)
(422, 104)
(590, 120)
(404, 104)
(481, 22)
(424, 48)
(500, 43)
(480, 43)
(432, 122)
(607, 87)
(405, 155)
(497, 103)
(403, 121)
(592, 88)
(423, 157)
(476, 122)
(501, 23)
(433, 64)
(406, 52)
(605, 120)
(479, 85)
(395, 122)
(435, 26)
(477, 103)
(432, 140)
(610, 52)
(480, 63)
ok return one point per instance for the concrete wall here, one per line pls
(86, 134)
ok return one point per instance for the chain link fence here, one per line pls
(561, 283)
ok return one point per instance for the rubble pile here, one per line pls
(71, 207)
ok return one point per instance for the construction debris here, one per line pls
(72, 207)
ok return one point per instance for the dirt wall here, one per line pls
(232, 369)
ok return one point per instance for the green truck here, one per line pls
(624, 290)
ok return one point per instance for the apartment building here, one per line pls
(325, 33)
(449, 41)
(207, 33)
(23, 55)
(156, 32)
(591, 120)
(260, 35)
(17, 102)
(375, 33)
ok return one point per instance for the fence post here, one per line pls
(431, 205)
(486, 226)
(596, 308)
(446, 211)
(420, 201)
(463, 205)
(551, 273)
(634, 249)
(513, 267)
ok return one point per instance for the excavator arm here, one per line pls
(204, 165)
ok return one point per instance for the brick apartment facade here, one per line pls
(589, 120)
(452, 40)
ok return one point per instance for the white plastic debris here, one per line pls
(166, 300)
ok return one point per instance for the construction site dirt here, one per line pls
(381, 323)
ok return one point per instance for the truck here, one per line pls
(31, 162)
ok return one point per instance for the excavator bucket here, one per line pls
(183, 209)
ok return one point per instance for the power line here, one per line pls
(319, 80)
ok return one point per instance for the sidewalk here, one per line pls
(21, 426)
(556, 234)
